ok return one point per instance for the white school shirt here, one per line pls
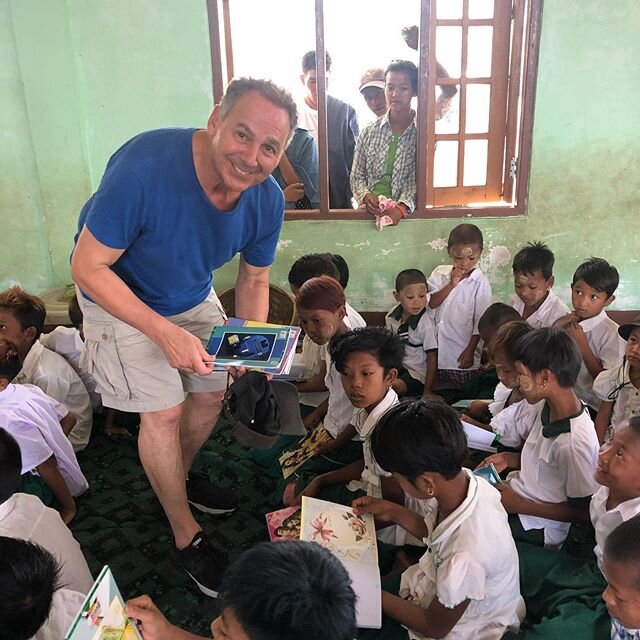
(500, 397)
(33, 419)
(514, 423)
(67, 342)
(620, 632)
(339, 409)
(65, 606)
(602, 335)
(456, 319)
(418, 335)
(471, 556)
(604, 522)
(25, 517)
(558, 462)
(307, 118)
(353, 320)
(364, 423)
(550, 310)
(617, 382)
(56, 377)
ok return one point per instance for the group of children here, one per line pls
(557, 388)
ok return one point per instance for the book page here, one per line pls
(291, 461)
(478, 438)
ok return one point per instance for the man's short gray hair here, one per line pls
(269, 90)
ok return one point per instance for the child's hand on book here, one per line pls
(382, 510)
(153, 625)
(311, 491)
(502, 461)
(511, 501)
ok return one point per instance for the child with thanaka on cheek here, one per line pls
(553, 481)
(619, 388)
(466, 584)
(460, 294)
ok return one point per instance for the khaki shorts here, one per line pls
(131, 372)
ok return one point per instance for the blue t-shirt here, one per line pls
(150, 203)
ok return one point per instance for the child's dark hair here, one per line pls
(508, 336)
(310, 266)
(290, 590)
(598, 274)
(552, 349)
(536, 256)
(75, 313)
(623, 546)
(309, 61)
(409, 277)
(29, 576)
(383, 345)
(465, 234)
(404, 66)
(28, 310)
(423, 436)
(320, 293)
(496, 315)
(342, 267)
(10, 364)
(10, 466)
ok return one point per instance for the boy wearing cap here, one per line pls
(619, 387)
(372, 90)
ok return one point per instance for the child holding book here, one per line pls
(466, 584)
(553, 481)
(368, 361)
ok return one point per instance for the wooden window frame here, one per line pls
(517, 115)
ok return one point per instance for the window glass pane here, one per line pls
(445, 169)
(449, 49)
(475, 162)
(479, 52)
(447, 112)
(480, 9)
(477, 112)
(449, 9)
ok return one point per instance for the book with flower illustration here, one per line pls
(352, 539)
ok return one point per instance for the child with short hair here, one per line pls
(368, 361)
(466, 584)
(39, 424)
(553, 481)
(410, 321)
(619, 388)
(596, 335)
(24, 516)
(460, 294)
(343, 269)
(286, 590)
(22, 318)
(532, 280)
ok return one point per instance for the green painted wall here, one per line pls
(81, 76)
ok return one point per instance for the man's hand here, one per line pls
(293, 192)
(395, 213)
(371, 204)
(465, 359)
(154, 626)
(184, 351)
(382, 510)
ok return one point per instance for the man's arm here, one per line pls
(90, 269)
(252, 292)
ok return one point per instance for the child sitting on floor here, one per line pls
(466, 584)
(38, 423)
(22, 316)
(596, 335)
(411, 322)
(619, 388)
(368, 360)
(532, 280)
(25, 517)
(554, 479)
(460, 294)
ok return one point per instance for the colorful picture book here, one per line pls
(244, 343)
(102, 615)
(479, 438)
(291, 461)
(284, 524)
(352, 539)
(489, 473)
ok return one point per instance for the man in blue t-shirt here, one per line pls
(173, 206)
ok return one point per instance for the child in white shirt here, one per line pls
(411, 322)
(532, 280)
(554, 479)
(596, 335)
(466, 585)
(460, 294)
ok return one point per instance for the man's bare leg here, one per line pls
(162, 459)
